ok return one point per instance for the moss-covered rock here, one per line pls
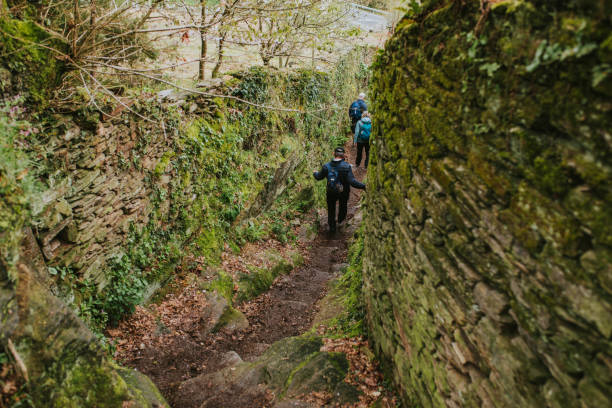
(141, 384)
(231, 319)
(290, 368)
(321, 372)
(64, 362)
(32, 57)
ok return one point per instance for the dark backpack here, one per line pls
(334, 185)
(355, 110)
(365, 129)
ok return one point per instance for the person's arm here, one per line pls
(320, 175)
(357, 128)
(353, 181)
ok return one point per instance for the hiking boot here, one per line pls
(332, 229)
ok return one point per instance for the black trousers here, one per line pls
(353, 125)
(332, 199)
(360, 147)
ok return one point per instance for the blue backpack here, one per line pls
(365, 129)
(334, 185)
(355, 110)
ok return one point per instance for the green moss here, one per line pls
(231, 318)
(26, 50)
(84, 383)
(550, 175)
(349, 293)
(224, 285)
(260, 279)
(319, 372)
(18, 189)
(142, 388)
(162, 164)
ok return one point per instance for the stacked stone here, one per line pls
(88, 212)
(488, 243)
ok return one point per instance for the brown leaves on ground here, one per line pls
(181, 311)
(176, 315)
(253, 254)
(363, 373)
(320, 398)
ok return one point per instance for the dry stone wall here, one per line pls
(487, 258)
(88, 212)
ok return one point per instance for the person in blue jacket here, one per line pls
(356, 109)
(363, 130)
(340, 178)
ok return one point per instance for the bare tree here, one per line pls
(203, 35)
(285, 28)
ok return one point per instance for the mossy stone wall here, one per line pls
(487, 259)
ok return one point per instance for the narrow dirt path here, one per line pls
(286, 309)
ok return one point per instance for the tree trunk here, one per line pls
(313, 56)
(203, 33)
(147, 14)
(215, 71)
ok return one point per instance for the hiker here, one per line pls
(356, 109)
(363, 129)
(339, 181)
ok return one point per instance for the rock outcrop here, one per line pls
(488, 240)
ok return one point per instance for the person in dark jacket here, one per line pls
(356, 110)
(340, 178)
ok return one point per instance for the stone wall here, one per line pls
(98, 192)
(488, 242)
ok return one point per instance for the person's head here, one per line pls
(365, 114)
(339, 152)
(362, 96)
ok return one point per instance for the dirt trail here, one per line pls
(286, 309)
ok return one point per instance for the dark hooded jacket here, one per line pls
(345, 175)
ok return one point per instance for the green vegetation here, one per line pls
(19, 53)
(350, 286)
(17, 185)
(345, 300)
(223, 284)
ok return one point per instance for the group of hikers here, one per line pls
(338, 172)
